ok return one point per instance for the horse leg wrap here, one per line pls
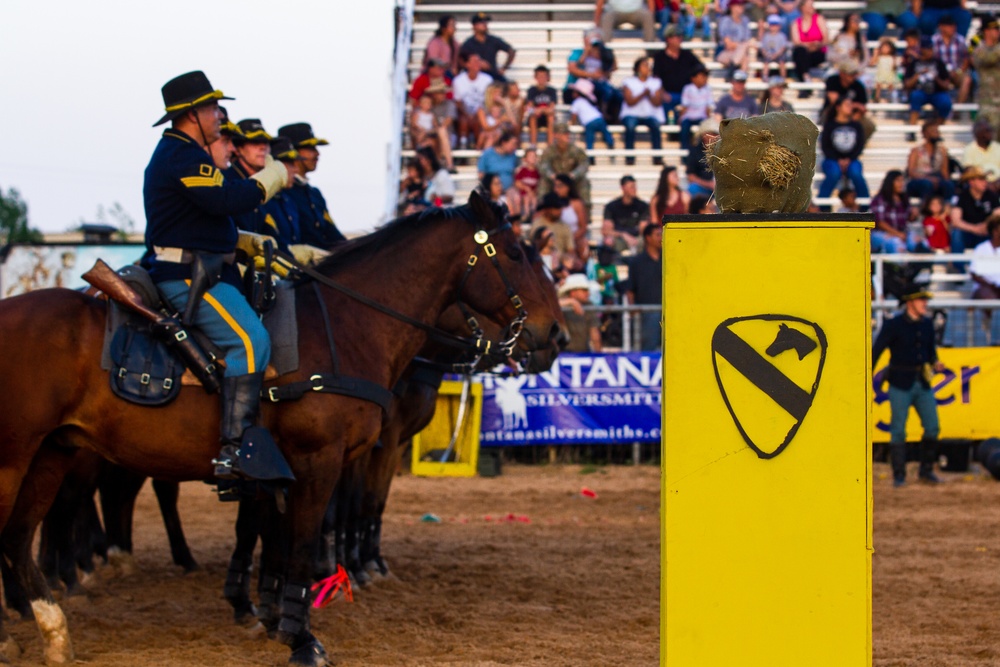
(268, 612)
(295, 601)
(237, 591)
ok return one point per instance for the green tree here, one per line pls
(14, 220)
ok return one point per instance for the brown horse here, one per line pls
(56, 396)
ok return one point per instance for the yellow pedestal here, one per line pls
(433, 440)
(766, 517)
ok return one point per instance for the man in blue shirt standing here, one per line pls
(191, 243)
(912, 362)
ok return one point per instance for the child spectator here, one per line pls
(911, 52)
(584, 110)
(422, 122)
(411, 190)
(492, 123)
(513, 106)
(526, 182)
(735, 38)
(848, 201)
(540, 105)
(886, 76)
(937, 228)
(696, 104)
(774, 47)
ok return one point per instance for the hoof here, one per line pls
(360, 579)
(91, 581)
(246, 616)
(310, 654)
(122, 562)
(377, 568)
(58, 649)
(9, 651)
(257, 630)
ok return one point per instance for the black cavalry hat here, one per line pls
(282, 149)
(912, 292)
(187, 91)
(301, 134)
(227, 126)
(253, 132)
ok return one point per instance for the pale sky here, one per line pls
(81, 89)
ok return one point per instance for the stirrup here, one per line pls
(227, 463)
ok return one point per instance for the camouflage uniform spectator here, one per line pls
(986, 60)
(564, 157)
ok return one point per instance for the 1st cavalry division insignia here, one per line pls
(768, 368)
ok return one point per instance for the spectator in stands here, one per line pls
(701, 180)
(952, 50)
(845, 83)
(584, 110)
(543, 237)
(549, 217)
(892, 212)
(849, 45)
(596, 63)
(929, 13)
(540, 105)
(441, 187)
(848, 201)
(735, 39)
(736, 103)
(910, 339)
(842, 141)
(487, 46)
(491, 186)
(886, 75)
(490, 117)
(582, 325)
(693, 15)
(878, 14)
(625, 216)
(469, 92)
(513, 106)
(412, 188)
(985, 268)
(640, 13)
(986, 60)
(645, 285)
(643, 106)
(501, 160)
(697, 104)
(423, 128)
(526, 182)
(983, 151)
(977, 204)
(674, 67)
(911, 47)
(562, 156)
(937, 223)
(443, 46)
(445, 117)
(702, 205)
(773, 98)
(927, 166)
(668, 199)
(774, 47)
(927, 81)
(574, 214)
(810, 37)
(433, 74)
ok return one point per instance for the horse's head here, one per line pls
(508, 284)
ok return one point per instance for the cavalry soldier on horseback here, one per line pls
(222, 149)
(191, 243)
(252, 145)
(281, 215)
(318, 228)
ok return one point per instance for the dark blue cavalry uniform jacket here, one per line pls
(252, 220)
(911, 345)
(281, 220)
(188, 205)
(315, 223)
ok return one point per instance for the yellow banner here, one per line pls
(966, 396)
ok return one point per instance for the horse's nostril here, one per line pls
(562, 340)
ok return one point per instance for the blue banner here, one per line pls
(582, 399)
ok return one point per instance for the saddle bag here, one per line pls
(144, 369)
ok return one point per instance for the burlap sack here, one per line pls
(764, 164)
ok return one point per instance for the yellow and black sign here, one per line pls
(767, 394)
(768, 368)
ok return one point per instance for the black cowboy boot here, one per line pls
(928, 455)
(240, 407)
(897, 456)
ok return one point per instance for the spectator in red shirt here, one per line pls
(526, 180)
(937, 228)
(435, 72)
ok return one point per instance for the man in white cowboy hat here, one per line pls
(582, 325)
(191, 242)
(913, 360)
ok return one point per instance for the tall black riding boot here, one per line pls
(240, 407)
(897, 456)
(928, 455)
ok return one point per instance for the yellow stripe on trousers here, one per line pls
(247, 343)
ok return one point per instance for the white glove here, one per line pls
(274, 177)
(253, 244)
(307, 254)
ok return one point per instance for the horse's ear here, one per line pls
(481, 209)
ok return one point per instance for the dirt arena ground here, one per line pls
(524, 570)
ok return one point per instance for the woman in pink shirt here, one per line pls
(810, 37)
(444, 46)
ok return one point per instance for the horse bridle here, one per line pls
(516, 326)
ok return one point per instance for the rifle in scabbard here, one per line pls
(106, 279)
